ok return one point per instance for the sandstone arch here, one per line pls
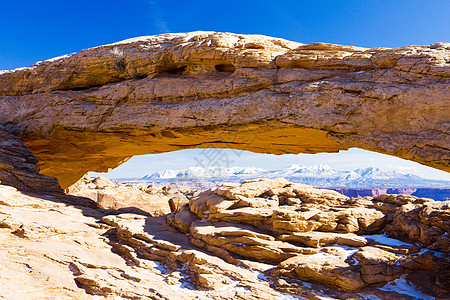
(91, 110)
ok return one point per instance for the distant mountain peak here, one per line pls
(320, 175)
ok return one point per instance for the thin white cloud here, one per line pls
(158, 17)
(409, 169)
(349, 160)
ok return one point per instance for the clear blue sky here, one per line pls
(36, 30)
(31, 31)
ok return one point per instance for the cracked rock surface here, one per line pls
(137, 198)
(55, 248)
(90, 111)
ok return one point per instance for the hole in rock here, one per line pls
(227, 68)
(176, 70)
(354, 172)
(254, 46)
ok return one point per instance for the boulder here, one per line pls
(378, 265)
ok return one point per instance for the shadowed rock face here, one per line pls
(91, 110)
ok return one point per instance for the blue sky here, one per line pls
(352, 159)
(31, 31)
(36, 30)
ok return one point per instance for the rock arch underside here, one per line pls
(267, 239)
(91, 110)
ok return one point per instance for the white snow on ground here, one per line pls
(258, 274)
(384, 240)
(321, 254)
(264, 266)
(59, 57)
(160, 267)
(435, 253)
(370, 297)
(349, 251)
(291, 297)
(283, 296)
(403, 286)
(257, 268)
(346, 250)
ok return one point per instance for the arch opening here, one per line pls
(225, 68)
(216, 165)
(148, 182)
(71, 154)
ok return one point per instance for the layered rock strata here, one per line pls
(319, 235)
(263, 239)
(89, 111)
(137, 198)
(18, 166)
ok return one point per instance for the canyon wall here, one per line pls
(433, 193)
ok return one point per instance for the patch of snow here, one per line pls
(59, 57)
(258, 274)
(285, 296)
(321, 254)
(261, 267)
(307, 284)
(159, 266)
(435, 253)
(264, 266)
(320, 176)
(73, 269)
(188, 288)
(403, 286)
(370, 297)
(349, 251)
(346, 250)
(385, 240)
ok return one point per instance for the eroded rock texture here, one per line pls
(139, 198)
(262, 239)
(91, 110)
(18, 166)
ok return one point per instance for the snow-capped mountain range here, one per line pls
(317, 176)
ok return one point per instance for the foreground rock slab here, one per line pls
(318, 235)
(55, 248)
(52, 250)
(90, 111)
(136, 198)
